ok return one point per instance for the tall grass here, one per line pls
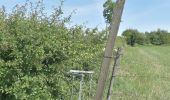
(144, 74)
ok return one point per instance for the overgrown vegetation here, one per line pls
(37, 50)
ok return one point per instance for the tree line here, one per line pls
(158, 37)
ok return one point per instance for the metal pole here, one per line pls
(81, 85)
(90, 86)
(72, 91)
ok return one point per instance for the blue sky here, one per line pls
(144, 15)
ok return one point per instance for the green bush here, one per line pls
(37, 51)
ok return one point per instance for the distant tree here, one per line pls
(159, 37)
(140, 38)
(147, 40)
(164, 36)
(131, 36)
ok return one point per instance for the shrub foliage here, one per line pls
(37, 50)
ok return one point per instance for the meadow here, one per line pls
(143, 74)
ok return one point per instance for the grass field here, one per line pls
(144, 74)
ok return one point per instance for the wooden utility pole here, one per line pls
(119, 53)
(117, 13)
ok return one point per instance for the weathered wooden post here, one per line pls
(119, 53)
(117, 13)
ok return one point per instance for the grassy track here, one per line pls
(144, 74)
